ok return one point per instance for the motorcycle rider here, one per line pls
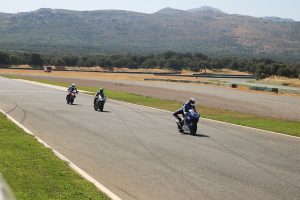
(190, 104)
(99, 93)
(72, 88)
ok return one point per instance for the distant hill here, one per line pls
(207, 30)
(206, 9)
(278, 19)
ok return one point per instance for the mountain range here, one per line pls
(207, 30)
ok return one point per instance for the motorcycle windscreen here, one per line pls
(193, 116)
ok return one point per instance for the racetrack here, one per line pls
(256, 103)
(138, 153)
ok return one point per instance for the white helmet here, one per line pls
(73, 84)
(192, 101)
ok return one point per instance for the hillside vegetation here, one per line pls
(169, 60)
(204, 30)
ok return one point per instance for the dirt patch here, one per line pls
(294, 82)
(22, 66)
(100, 75)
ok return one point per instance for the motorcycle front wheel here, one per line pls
(193, 129)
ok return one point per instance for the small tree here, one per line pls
(4, 59)
(36, 60)
(174, 64)
(263, 71)
(60, 62)
(70, 60)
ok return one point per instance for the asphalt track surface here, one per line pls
(257, 103)
(137, 152)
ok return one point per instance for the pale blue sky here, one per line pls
(258, 8)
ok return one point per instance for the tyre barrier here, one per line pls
(232, 85)
(264, 89)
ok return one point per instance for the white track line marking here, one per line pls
(33, 91)
(157, 109)
(71, 165)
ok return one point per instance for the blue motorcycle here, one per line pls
(189, 123)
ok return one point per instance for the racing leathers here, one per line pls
(99, 93)
(185, 108)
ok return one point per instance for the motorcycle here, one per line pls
(71, 97)
(189, 123)
(99, 103)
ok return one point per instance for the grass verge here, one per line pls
(264, 123)
(34, 172)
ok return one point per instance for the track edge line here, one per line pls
(157, 109)
(74, 167)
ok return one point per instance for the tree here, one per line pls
(174, 64)
(201, 56)
(91, 62)
(287, 72)
(4, 58)
(150, 63)
(168, 54)
(263, 71)
(36, 60)
(120, 62)
(215, 65)
(60, 62)
(70, 60)
(104, 62)
(15, 60)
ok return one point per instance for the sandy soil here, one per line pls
(184, 72)
(294, 82)
(102, 76)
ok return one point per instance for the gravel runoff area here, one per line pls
(261, 104)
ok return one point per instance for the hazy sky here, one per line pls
(259, 8)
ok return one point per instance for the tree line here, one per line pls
(197, 62)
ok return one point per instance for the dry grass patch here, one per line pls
(294, 82)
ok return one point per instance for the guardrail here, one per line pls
(264, 89)
(225, 76)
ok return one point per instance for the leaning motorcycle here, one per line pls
(71, 97)
(189, 123)
(99, 103)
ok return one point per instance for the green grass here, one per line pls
(277, 125)
(270, 124)
(34, 172)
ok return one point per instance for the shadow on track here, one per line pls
(197, 135)
(104, 111)
(75, 104)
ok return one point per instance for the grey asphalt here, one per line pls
(256, 103)
(137, 152)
